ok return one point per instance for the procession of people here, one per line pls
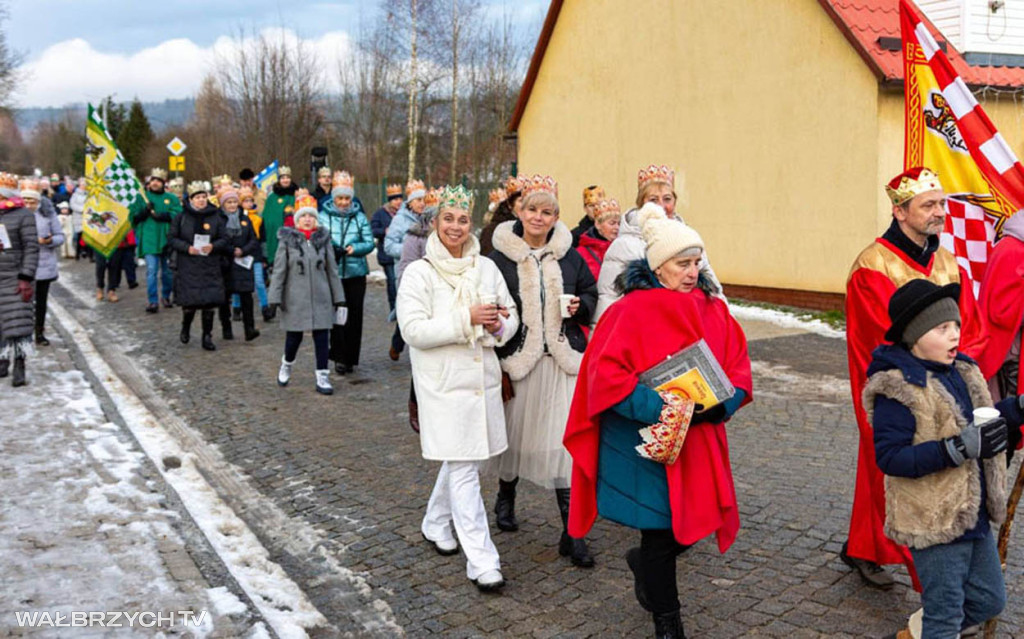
(527, 363)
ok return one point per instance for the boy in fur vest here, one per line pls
(945, 472)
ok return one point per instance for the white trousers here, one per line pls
(457, 498)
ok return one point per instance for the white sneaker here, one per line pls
(490, 581)
(285, 373)
(323, 383)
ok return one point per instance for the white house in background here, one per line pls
(986, 32)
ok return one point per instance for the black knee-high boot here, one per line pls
(505, 506)
(187, 315)
(224, 313)
(575, 549)
(248, 320)
(207, 320)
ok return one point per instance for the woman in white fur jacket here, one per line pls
(453, 308)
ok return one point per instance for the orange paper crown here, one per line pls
(245, 192)
(902, 188)
(655, 173)
(412, 186)
(303, 200)
(606, 209)
(342, 179)
(432, 198)
(592, 195)
(393, 190)
(8, 181)
(496, 197)
(513, 185)
(540, 183)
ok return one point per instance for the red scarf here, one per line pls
(633, 335)
(308, 234)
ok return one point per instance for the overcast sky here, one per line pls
(82, 50)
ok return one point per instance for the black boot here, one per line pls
(18, 378)
(40, 338)
(575, 549)
(226, 331)
(5, 367)
(236, 314)
(187, 316)
(505, 507)
(668, 625)
(248, 321)
(207, 320)
(267, 315)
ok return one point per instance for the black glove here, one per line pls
(713, 415)
(273, 307)
(143, 214)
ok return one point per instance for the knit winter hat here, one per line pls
(228, 193)
(665, 238)
(919, 306)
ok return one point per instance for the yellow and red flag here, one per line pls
(949, 132)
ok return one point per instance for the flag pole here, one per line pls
(1004, 537)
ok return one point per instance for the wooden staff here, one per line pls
(1004, 537)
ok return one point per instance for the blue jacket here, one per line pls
(400, 225)
(348, 229)
(379, 224)
(894, 426)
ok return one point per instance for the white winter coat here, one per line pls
(458, 386)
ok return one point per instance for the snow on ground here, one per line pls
(81, 528)
(784, 319)
(281, 602)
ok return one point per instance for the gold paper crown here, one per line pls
(199, 186)
(496, 196)
(284, 170)
(607, 208)
(655, 173)
(158, 173)
(513, 185)
(223, 180)
(393, 190)
(912, 182)
(456, 197)
(592, 195)
(28, 184)
(540, 183)
(303, 200)
(413, 186)
(244, 192)
(342, 179)
(431, 199)
(8, 181)
(325, 171)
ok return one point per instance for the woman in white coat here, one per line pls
(453, 308)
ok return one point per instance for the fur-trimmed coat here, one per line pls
(940, 506)
(541, 325)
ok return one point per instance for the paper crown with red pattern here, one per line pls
(540, 184)
(592, 195)
(393, 190)
(305, 204)
(912, 182)
(8, 181)
(606, 209)
(513, 184)
(415, 189)
(496, 197)
(655, 173)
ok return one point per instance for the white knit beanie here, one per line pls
(665, 238)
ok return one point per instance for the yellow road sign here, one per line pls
(176, 163)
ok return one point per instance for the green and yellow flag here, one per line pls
(111, 188)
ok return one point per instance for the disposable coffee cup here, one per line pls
(563, 304)
(985, 415)
(488, 299)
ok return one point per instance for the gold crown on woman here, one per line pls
(655, 173)
(456, 197)
(414, 185)
(303, 200)
(8, 181)
(343, 179)
(431, 199)
(540, 184)
(496, 196)
(513, 184)
(199, 186)
(607, 208)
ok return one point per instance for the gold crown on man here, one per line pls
(592, 195)
(199, 186)
(343, 179)
(540, 184)
(655, 173)
(324, 171)
(393, 190)
(912, 182)
(158, 173)
(456, 197)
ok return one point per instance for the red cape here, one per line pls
(877, 273)
(638, 331)
(1002, 304)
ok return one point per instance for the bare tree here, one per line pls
(9, 63)
(414, 112)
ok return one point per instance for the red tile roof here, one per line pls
(863, 22)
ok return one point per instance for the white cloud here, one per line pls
(74, 71)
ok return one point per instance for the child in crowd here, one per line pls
(942, 447)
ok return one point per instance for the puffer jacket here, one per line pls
(48, 225)
(199, 279)
(17, 262)
(349, 228)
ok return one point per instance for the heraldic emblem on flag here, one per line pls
(110, 189)
(947, 131)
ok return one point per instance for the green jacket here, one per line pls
(151, 227)
(277, 213)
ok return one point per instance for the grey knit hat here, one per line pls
(944, 310)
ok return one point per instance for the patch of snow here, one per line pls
(225, 602)
(784, 319)
(376, 276)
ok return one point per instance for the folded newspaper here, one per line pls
(694, 372)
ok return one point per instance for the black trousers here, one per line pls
(658, 552)
(128, 264)
(224, 311)
(42, 295)
(293, 339)
(108, 270)
(346, 341)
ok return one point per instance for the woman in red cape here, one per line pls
(666, 306)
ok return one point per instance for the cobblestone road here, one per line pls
(349, 466)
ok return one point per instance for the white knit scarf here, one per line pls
(461, 273)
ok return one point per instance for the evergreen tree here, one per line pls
(135, 136)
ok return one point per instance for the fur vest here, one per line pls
(940, 507)
(560, 270)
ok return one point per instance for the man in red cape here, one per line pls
(908, 250)
(634, 334)
(1001, 304)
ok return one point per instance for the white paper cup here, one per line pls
(563, 304)
(985, 414)
(488, 299)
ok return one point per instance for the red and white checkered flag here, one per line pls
(969, 235)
